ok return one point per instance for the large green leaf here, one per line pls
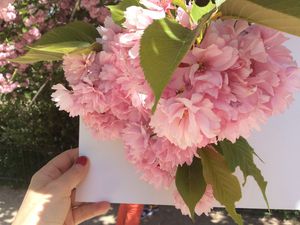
(219, 2)
(76, 36)
(75, 31)
(226, 186)
(163, 45)
(241, 154)
(283, 15)
(198, 12)
(33, 56)
(62, 47)
(190, 184)
(117, 11)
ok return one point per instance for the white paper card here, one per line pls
(112, 178)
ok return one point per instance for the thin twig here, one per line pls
(39, 91)
(14, 73)
(76, 7)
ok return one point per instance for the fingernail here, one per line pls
(82, 160)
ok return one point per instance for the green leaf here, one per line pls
(283, 15)
(190, 184)
(226, 187)
(76, 36)
(198, 12)
(75, 31)
(163, 45)
(62, 47)
(35, 56)
(96, 47)
(180, 3)
(117, 11)
(241, 154)
(219, 2)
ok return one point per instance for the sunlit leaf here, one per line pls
(226, 187)
(75, 31)
(283, 15)
(76, 36)
(241, 154)
(219, 2)
(36, 56)
(198, 12)
(62, 47)
(163, 45)
(117, 11)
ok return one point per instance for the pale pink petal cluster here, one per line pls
(6, 84)
(230, 84)
(204, 205)
(139, 147)
(77, 67)
(5, 3)
(156, 157)
(243, 73)
(187, 122)
(7, 11)
(95, 11)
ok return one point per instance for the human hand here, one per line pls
(50, 196)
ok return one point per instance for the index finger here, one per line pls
(60, 164)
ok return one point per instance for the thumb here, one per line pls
(72, 177)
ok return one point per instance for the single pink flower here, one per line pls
(186, 122)
(76, 66)
(138, 18)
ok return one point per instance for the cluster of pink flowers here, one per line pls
(28, 37)
(6, 51)
(6, 84)
(40, 17)
(225, 87)
(95, 11)
(7, 11)
(23, 30)
(35, 18)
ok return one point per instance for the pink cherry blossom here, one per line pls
(171, 156)
(158, 5)
(139, 150)
(83, 99)
(187, 122)
(7, 11)
(204, 206)
(4, 3)
(225, 87)
(138, 18)
(76, 66)
(6, 84)
(104, 126)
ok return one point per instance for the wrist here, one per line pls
(32, 208)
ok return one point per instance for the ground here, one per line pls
(10, 200)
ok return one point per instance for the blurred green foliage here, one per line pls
(32, 132)
(32, 129)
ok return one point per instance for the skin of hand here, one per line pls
(50, 197)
